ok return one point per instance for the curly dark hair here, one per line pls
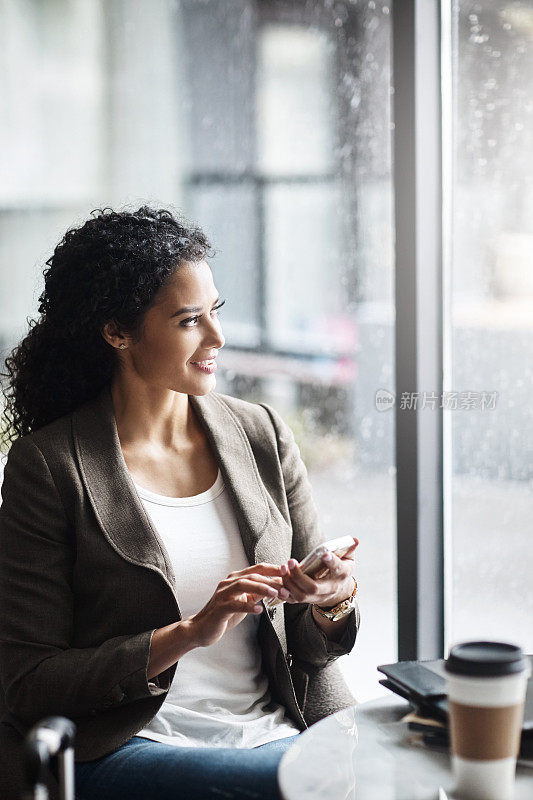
(107, 270)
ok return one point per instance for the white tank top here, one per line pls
(218, 693)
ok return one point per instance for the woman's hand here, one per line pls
(235, 597)
(329, 590)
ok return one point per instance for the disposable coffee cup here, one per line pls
(486, 688)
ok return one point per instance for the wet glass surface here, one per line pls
(491, 250)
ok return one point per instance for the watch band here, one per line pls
(342, 609)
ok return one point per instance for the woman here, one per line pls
(144, 519)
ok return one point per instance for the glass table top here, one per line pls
(367, 753)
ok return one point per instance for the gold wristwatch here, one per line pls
(342, 609)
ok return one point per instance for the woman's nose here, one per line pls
(218, 338)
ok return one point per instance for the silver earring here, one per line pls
(122, 346)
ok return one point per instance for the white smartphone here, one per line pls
(313, 565)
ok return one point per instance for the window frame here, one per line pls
(420, 220)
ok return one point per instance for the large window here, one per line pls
(269, 124)
(491, 526)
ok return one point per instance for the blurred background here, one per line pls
(269, 124)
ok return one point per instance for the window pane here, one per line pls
(295, 100)
(217, 45)
(306, 274)
(492, 319)
(235, 237)
(52, 68)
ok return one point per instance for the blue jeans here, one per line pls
(142, 769)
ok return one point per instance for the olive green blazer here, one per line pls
(85, 579)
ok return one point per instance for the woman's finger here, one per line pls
(251, 587)
(299, 581)
(306, 589)
(334, 564)
(263, 569)
(350, 552)
(296, 593)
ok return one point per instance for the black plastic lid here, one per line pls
(486, 659)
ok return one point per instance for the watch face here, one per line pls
(344, 611)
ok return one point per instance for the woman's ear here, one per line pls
(112, 335)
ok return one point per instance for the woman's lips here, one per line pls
(208, 370)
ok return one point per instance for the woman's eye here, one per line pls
(185, 322)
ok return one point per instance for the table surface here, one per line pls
(366, 753)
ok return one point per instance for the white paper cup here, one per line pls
(486, 687)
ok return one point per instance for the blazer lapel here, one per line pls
(114, 499)
(238, 468)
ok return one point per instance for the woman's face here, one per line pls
(173, 338)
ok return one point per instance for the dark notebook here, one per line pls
(423, 684)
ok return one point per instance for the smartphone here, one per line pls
(313, 565)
